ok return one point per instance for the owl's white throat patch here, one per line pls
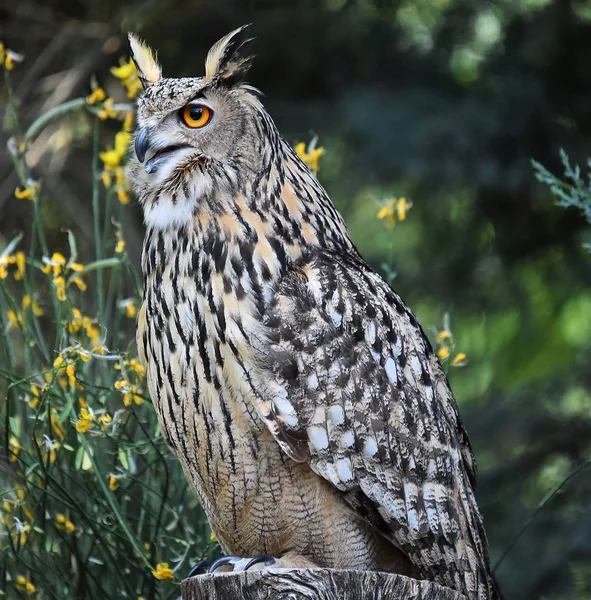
(165, 213)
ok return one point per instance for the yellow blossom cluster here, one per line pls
(18, 260)
(55, 423)
(58, 265)
(163, 571)
(25, 585)
(88, 419)
(62, 522)
(127, 73)
(113, 482)
(8, 58)
(310, 155)
(393, 210)
(66, 373)
(14, 448)
(16, 319)
(80, 322)
(133, 366)
(130, 392)
(112, 160)
(445, 346)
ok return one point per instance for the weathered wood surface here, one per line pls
(312, 584)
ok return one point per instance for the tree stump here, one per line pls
(312, 584)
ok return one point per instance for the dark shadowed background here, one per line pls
(444, 102)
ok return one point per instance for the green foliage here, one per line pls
(94, 505)
(573, 190)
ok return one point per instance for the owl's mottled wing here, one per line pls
(351, 385)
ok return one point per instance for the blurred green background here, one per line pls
(444, 102)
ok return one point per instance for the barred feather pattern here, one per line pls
(298, 391)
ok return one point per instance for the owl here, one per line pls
(298, 391)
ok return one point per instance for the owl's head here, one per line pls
(194, 134)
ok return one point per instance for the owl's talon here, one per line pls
(263, 558)
(224, 560)
(201, 565)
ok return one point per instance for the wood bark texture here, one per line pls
(312, 584)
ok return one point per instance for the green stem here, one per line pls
(96, 216)
(56, 111)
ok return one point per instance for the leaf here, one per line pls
(78, 459)
(12, 245)
(104, 263)
(123, 459)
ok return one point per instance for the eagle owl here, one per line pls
(298, 391)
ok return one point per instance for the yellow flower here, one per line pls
(113, 482)
(97, 95)
(106, 178)
(127, 73)
(51, 446)
(135, 365)
(459, 360)
(4, 262)
(34, 401)
(71, 373)
(128, 121)
(28, 302)
(56, 264)
(123, 197)
(402, 206)
(23, 584)
(20, 260)
(80, 283)
(129, 305)
(130, 310)
(60, 519)
(213, 538)
(120, 384)
(27, 193)
(122, 141)
(83, 425)
(163, 571)
(107, 111)
(55, 425)
(10, 58)
(443, 335)
(22, 529)
(70, 527)
(105, 418)
(310, 155)
(120, 247)
(393, 209)
(60, 288)
(15, 319)
(130, 394)
(443, 352)
(14, 448)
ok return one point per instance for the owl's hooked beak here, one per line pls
(142, 143)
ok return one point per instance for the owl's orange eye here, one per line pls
(196, 115)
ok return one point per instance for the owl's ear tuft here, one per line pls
(225, 63)
(143, 56)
